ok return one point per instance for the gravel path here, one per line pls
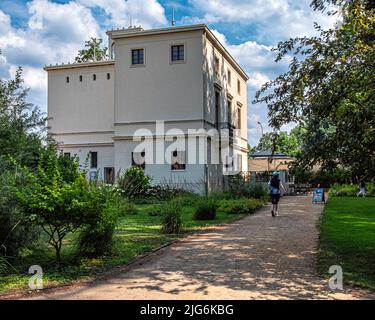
(258, 257)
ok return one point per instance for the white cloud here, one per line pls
(238, 11)
(61, 23)
(4, 22)
(54, 34)
(34, 78)
(257, 79)
(270, 20)
(148, 13)
(64, 28)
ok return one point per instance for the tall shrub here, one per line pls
(96, 236)
(239, 187)
(205, 209)
(134, 183)
(171, 217)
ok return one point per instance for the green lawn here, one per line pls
(347, 239)
(135, 234)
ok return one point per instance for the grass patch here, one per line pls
(347, 239)
(135, 234)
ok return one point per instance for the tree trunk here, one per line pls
(58, 256)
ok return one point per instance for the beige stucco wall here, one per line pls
(213, 82)
(227, 90)
(105, 155)
(159, 90)
(86, 106)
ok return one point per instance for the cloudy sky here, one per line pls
(38, 32)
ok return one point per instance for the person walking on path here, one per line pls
(362, 188)
(274, 187)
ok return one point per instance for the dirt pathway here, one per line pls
(258, 257)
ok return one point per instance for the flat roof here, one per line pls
(269, 153)
(139, 32)
(79, 65)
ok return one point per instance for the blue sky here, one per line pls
(38, 32)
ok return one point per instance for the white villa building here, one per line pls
(180, 80)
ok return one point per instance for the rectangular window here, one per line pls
(67, 79)
(229, 111)
(67, 154)
(138, 159)
(239, 87)
(228, 164)
(178, 53)
(94, 77)
(108, 76)
(217, 107)
(80, 78)
(109, 175)
(93, 160)
(217, 66)
(229, 77)
(239, 163)
(178, 160)
(138, 57)
(238, 118)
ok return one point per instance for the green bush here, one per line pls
(189, 200)
(63, 202)
(166, 193)
(225, 195)
(351, 190)
(96, 237)
(325, 178)
(240, 187)
(134, 183)
(240, 206)
(171, 217)
(256, 190)
(16, 232)
(205, 209)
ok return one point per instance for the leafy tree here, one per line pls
(58, 202)
(250, 150)
(282, 142)
(15, 231)
(22, 125)
(93, 51)
(329, 89)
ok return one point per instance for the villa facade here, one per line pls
(156, 102)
